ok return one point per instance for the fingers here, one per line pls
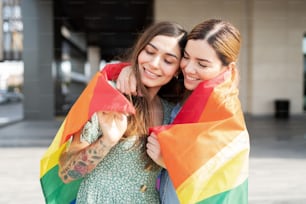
(153, 147)
(126, 82)
(151, 151)
(154, 151)
(152, 155)
(132, 83)
(113, 125)
(118, 86)
(152, 139)
(153, 135)
(123, 84)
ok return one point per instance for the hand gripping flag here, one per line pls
(98, 95)
(206, 149)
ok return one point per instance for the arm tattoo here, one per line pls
(76, 165)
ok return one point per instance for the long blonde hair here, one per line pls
(223, 37)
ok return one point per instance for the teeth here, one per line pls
(191, 78)
(150, 73)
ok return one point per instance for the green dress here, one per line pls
(120, 177)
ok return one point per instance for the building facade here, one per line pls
(271, 63)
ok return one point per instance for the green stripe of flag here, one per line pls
(238, 195)
(55, 190)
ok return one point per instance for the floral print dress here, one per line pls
(121, 176)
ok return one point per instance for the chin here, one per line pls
(190, 87)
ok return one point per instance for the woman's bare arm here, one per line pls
(81, 157)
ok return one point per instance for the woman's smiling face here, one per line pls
(199, 63)
(159, 61)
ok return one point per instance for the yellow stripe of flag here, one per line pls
(232, 161)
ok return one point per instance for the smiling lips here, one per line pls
(150, 74)
(189, 78)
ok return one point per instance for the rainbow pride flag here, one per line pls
(206, 149)
(98, 95)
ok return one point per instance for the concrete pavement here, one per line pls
(277, 163)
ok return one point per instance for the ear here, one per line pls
(235, 74)
(177, 74)
(232, 65)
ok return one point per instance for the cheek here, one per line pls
(170, 70)
(142, 57)
(214, 73)
(183, 63)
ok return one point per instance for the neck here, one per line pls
(157, 111)
(155, 106)
(152, 93)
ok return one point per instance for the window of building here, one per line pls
(11, 64)
(12, 29)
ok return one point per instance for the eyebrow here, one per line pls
(167, 53)
(199, 59)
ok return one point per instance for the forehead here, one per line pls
(200, 49)
(166, 44)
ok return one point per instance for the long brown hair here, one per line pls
(140, 122)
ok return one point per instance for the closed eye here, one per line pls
(186, 56)
(150, 49)
(149, 52)
(170, 59)
(203, 66)
(168, 62)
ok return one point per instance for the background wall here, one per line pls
(277, 58)
(271, 60)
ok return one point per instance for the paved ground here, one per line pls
(277, 164)
(278, 161)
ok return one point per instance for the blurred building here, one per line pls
(65, 42)
(11, 30)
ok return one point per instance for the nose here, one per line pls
(155, 61)
(189, 68)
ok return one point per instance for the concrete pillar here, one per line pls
(38, 58)
(1, 34)
(94, 59)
